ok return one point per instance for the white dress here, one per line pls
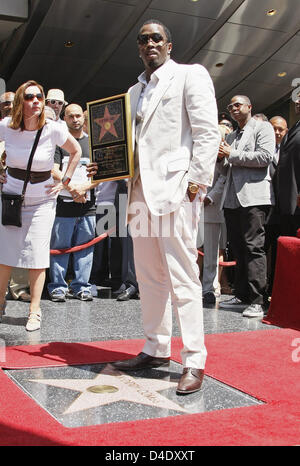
(29, 246)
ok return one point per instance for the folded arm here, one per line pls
(263, 152)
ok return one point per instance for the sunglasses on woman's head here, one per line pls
(29, 97)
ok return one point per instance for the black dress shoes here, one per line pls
(190, 381)
(129, 293)
(141, 361)
(209, 298)
(116, 293)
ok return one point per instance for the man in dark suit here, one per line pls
(272, 226)
(287, 179)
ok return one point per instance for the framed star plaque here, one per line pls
(109, 122)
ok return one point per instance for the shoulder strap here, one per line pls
(27, 177)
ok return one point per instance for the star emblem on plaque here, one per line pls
(109, 123)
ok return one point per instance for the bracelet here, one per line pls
(66, 180)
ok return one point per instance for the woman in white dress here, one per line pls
(29, 246)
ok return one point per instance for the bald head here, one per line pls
(278, 120)
(280, 127)
(75, 119)
(71, 107)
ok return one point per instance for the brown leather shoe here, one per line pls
(141, 361)
(190, 381)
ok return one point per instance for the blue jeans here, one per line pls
(66, 233)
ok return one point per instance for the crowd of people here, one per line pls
(243, 169)
(251, 204)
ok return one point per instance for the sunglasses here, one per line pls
(53, 102)
(143, 39)
(226, 124)
(29, 97)
(7, 102)
(230, 107)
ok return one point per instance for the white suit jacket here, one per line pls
(179, 137)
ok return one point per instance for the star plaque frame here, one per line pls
(109, 123)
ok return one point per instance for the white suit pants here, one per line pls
(168, 275)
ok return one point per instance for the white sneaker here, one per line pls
(34, 321)
(218, 291)
(254, 310)
(94, 291)
(58, 296)
(84, 295)
(232, 303)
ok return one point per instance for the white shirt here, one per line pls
(18, 145)
(61, 122)
(144, 99)
(276, 154)
(146, 94)
(105, 192)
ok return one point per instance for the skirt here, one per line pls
(29, 246)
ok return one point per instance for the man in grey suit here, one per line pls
(247, 197)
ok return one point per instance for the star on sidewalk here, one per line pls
(110, 386)
(107, 123)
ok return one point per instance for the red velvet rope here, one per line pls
(223, 264)
(81, 246)
(103, 236)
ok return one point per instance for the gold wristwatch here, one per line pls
(193, 188)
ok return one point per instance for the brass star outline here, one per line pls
(126, 388)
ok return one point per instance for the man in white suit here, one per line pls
(176, 138)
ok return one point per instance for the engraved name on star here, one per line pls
(107, 123)
(111, 386)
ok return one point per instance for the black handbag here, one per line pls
(12, 203)
(11, 209)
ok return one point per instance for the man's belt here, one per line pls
(35, 177)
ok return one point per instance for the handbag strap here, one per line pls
(27, 177)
